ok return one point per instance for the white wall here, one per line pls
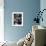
(1, 20)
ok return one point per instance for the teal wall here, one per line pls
(28, 7)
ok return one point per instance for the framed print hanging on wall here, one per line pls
(17, 19)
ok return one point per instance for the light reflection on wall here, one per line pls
(1, 21)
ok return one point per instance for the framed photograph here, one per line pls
(17, 19)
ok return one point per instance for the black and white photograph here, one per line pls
(17, 18)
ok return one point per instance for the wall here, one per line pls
(29, 8)
(1, 20)
(43, 6)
